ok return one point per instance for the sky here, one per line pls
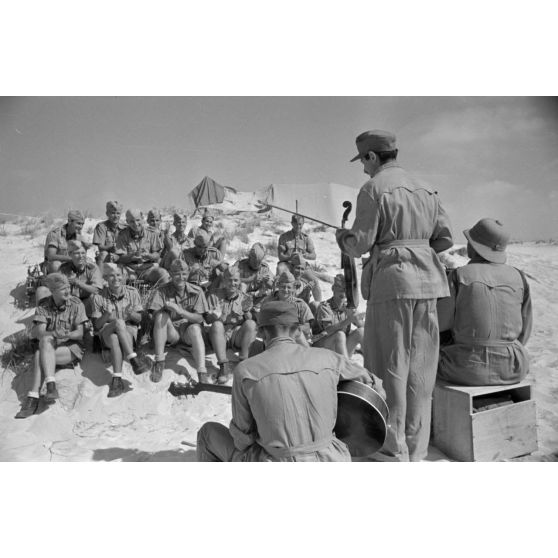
(486, 156)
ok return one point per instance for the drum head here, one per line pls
(359, 425)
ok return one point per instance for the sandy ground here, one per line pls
(148, 424)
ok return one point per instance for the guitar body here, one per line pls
(362, 414)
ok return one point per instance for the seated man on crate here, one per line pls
(58, 328)
(84, 276)
(56, 243)
(206, 261)
(178, 309)
(489, 315)
(255, 276)
(116, 312)
(284, 400)
(334, 323)
(177, 242)
(106, 233)
(231, 322)
(139, 249)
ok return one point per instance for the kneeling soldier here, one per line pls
(231, 322)
(58, 327)
(333, 322)
(179, 307)
(117, 313)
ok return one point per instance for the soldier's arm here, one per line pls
(53, 256)
(526, 315)
(441, 238)
(349, 370)
(310, 253)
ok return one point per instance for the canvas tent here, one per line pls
(207, 192)
(323, 200)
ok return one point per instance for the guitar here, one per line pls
(362, 413)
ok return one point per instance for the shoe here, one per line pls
(51, 392)
(139, 366)
(28, 408)
(205, 378)
(225, 372)
(116, 387)
(157, 371)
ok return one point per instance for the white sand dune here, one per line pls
(148, 424)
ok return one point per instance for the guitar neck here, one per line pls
(177, 389)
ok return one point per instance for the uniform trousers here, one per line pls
(401, 343)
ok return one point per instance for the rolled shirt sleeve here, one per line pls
(441, 238)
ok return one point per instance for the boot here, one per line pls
(157, 371)
(139, 366)
(51, 392)
(116, 387)
(28, 408)
(225, 372)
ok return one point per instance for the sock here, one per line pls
(50, 379)
(160, 358)
(34, 394)
(202, 370)
(117, 375)
(131, 355)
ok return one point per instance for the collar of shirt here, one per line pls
(56, 308)
(117, 296)
(387, 165)
(280, 341)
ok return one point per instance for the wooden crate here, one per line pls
(486, 435)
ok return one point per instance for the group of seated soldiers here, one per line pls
(195, 298)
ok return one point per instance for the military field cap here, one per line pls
(297, 218)
(153, 213)
(110, 268)
(56, 281)
(258, 251)
(74, 245)
(179, 216)
(231, 272)
(133, 213)
(201, 240)
(278, 313)
(374, 140)
(285, 277)
(178, 265)
(339, 282)
(489, 239)
(114, 206)
(75, 215)
(298, 259)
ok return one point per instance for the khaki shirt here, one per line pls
(232, 309)
(105, 234)
(284, 403)
(401, 223)
(329, 314)
(206, 264)
(147, 242)
(127, 300)
(180, 243)
(58, 238)
(65, 318)
(289, 243)
(260, 279)
(193, 300)
(90, 275)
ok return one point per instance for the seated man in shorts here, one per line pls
(117, 313)
(84, 277)
(58, 328)
(178, 316)
(255, 276)
(106, 233)
(231, 323)
(285, 292)
(334, 322)
(140, 249)
(206, 261)
(56, 248)
(176, 242)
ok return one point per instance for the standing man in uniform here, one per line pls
(106, 232)
(400, 222)
(284, 400)
(489, 316)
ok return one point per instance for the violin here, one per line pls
(348, 266)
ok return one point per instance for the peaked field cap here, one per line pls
(75, 215)
(134, 213)
(114, 206)
(278, 313)
(374, 140)
(110, 268)
(339, 282)
(55, 281)
(74, 245)
(178, 265)
(489, 239)
(153, 213)
(285, 278)
(201, 240)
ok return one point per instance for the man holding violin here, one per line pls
(400, 223)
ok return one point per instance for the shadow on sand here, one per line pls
(124, 454)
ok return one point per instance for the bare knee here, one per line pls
(46, 343)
